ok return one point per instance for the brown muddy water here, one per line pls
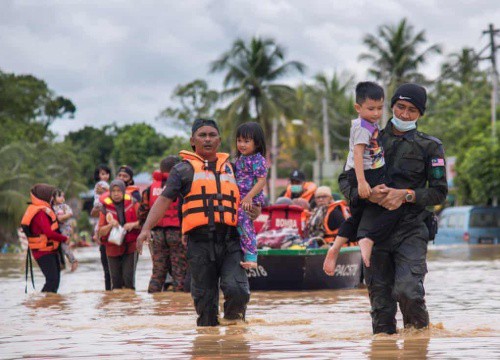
(83, 321)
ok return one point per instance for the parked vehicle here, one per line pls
(469, 224)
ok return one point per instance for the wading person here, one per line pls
(416, 167)
(40, 225)
(168, 253)
(205, 180)
(119, 208)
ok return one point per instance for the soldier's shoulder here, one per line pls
(428, 137)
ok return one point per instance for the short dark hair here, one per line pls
(168, 163)
(252, 130)
(98, 169)
(368, 90)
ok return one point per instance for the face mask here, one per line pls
(403, 126)
(295, 189)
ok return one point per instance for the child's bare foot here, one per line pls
(330, 261)
(74, 266)
(366, 246)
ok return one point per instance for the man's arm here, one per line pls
(155, 214)
(437, 189)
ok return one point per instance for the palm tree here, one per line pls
(462, 67)
(395, 56)
(252, 70)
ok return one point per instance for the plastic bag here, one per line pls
(116, 235)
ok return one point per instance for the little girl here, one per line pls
(64, 213)
(251, 172)
(101, 177)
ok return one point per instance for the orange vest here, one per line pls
(214, 197)
(130, 215)
(171, 218)
(39, 241)
(308, 190)
(330, 234)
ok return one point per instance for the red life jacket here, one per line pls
(171, 218)
(130, 216)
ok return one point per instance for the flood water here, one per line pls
(83, 321)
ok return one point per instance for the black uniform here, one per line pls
(398, 265)
(213, 257)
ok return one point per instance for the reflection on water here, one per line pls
(463, 297)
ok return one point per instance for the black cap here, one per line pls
(413, 93)
(198, 123)
(297, 175)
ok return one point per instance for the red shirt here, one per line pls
(41, 225)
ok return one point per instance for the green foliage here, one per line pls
(394, 53)
(93, 146)
(478, 172)
(134, 144)
(252, 70)
(195, 100)
(28, 108)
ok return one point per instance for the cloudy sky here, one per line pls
(119, 61)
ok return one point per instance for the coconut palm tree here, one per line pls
(252, 70)
(462, 67)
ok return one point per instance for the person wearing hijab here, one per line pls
(40, 225)
(120, 209)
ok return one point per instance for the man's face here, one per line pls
(206, 141)
(405, 110)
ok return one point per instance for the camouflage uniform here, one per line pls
(168, 255)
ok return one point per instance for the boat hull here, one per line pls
(303, 270)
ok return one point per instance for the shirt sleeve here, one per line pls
(360, 135)
(259, 167)
(43, 226)
(437, 189)
(179, 181)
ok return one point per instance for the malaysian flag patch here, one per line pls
(437, 162)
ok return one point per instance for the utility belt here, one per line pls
(220, 233)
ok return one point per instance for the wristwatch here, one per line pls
(409, 196)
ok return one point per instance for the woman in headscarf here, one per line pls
(120, 208)
(40, 225)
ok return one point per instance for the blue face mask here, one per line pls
(296, 189)
(402, 125)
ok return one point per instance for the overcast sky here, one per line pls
(119, 61)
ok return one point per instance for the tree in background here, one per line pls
(252, 70)
(93, 146)
(135, 144)
(28, 107)
(395, 55)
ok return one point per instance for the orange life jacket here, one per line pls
(130, 215)
(214, 197)
(171, 218)
(308, 190)
(39, 241)
(331, 234)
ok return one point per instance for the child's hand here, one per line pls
(364, 190)
(128, 226)
(47, 210)
(246, 204)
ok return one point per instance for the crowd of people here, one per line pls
(197, 215)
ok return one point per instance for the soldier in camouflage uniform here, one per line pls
(416, 166)
(167, 251)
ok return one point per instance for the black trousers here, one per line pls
(51, 269)
(122, 270)
(215, 263)
(396, 275)
(105, 267)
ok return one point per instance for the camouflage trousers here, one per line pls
(169, 256)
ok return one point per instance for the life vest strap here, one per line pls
(29, 264)
(204, 196)
(219, 208)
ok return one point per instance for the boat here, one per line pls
(303, 270)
